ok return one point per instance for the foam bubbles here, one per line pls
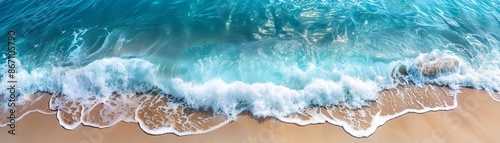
(267, 99)
(96, 86)
(444, 68)
(99, 78)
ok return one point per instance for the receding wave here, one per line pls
(191, 67)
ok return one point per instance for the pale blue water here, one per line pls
(271, 58)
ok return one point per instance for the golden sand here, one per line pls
(474, 120)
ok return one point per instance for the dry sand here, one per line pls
(474, 120)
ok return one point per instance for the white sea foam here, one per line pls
(450, 70)
(102, 78)
(267, 99)
(99, 78)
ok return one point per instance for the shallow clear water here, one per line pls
(272, 58)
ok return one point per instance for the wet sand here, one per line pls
(474, 120)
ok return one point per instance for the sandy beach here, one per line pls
(474, 120)
(260, 71)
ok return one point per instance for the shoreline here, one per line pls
(471, 120)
